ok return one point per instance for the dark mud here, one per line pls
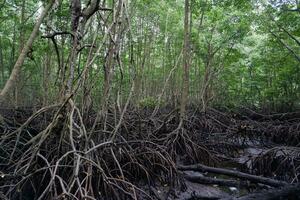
(142, 162)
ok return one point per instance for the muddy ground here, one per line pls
(43, 156)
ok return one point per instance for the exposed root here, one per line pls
(58, 155)
(280, 162)
(63, 161)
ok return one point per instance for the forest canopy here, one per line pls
(241, 53)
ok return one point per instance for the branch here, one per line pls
(86, 46)
(92, 7)
(284, 30)
(291, 36)
(52, 35)
(286, 46)
(89, 11)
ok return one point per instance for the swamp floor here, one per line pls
(213, 155)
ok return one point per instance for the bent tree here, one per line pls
(10, 83)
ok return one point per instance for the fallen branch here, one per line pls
(214, 181)
(233, 173)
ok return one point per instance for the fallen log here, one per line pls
(214, 181)
(233, 173)
(289, 192)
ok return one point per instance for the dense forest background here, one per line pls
(241, 53)
(149, 99)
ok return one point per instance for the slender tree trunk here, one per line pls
(110, 60)
(22, 40)
(186, 63)
(46, 68)
(75, 18)
(206, 81)
(1, 62)
(140, 71)
(10, 83)
(13, 48)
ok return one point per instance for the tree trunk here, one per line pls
(206, 82)
(233, 173)
(22, 41)
(186, 63)
(75, 18)
(46, 73)
(18, 65)
(1, 62)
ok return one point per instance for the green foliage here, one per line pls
(230, 39)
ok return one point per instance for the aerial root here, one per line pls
(281, 162)
(71, 164)
(66, 160)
